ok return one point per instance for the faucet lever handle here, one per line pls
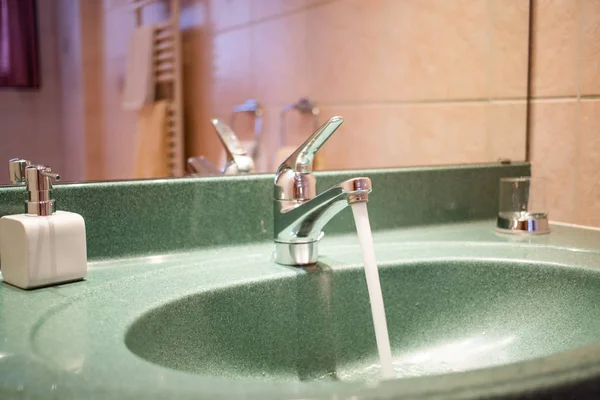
(301, 160)
(16, 170)
(233, 146)
(228, 137)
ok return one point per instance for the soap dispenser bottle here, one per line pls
(42, 247)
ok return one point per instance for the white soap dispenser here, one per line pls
(42, 247)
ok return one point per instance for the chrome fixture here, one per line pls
(38, 179)
(238, 160)
(304, 106)
(524, 223)
(522, 206)
(253, 108)
(300, 214)
(16, 170)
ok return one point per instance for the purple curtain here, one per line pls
(18, 44)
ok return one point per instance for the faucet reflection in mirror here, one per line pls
(299, 214)
(238, 159)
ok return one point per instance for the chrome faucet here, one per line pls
(299, 214)
(238, 160)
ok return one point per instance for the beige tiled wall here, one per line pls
(565, 122)
(418, 81)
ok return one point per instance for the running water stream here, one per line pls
(363, 228)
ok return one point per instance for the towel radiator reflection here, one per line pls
(167, 66)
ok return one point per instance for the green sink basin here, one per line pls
(471, 319)
(442, 316)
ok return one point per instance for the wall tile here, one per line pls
(17, 133)
(70, 34)
(232, 67)
(47, 128)
(453, 133)
(119, 23)
(71, 82)
(588, 179)
(94, 147)
(270, 139)
(296, 131)
(226, 14)
(507, 127)
(555, 47)
(405, 135)
(48, 36)
(553, 133)
(509, 50)
(16, 102)
(73, 126)
(344, 49)
(155, 12)
(370, 137)
(47, 25)
(433, 49)
(120, 125)
(590, 47)
(194, 15)
(279, 58)
(110, 4)
(262, 9)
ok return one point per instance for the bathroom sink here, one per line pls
(443, 317)
(466, 319)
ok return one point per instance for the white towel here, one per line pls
(139, 82)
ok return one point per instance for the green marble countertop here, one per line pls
(67, 342)
(156, 216)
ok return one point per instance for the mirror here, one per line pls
(418, 82)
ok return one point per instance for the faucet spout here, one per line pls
(299, 227)
(299, 214)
